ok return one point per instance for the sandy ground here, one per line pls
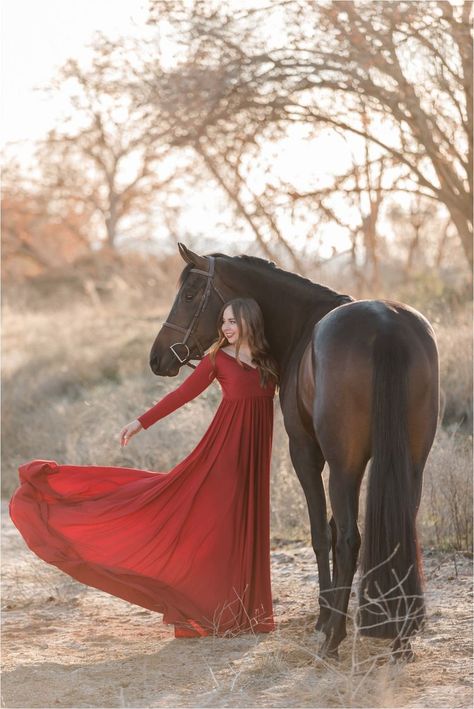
(65, 645)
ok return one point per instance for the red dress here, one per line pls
(192, 543)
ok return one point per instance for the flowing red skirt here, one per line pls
(192, 544)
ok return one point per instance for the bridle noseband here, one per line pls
(201, 307)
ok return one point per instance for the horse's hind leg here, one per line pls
(343, 430)
(422, 420)
(401, 646)
(401, 650)
(344, 485)
(333, 528)
(308, 462)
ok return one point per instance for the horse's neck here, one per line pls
(290, 308)
(289, 323)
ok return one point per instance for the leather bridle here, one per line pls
(201, 307)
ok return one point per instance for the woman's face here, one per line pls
(230, 329)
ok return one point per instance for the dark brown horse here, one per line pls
(359, 381)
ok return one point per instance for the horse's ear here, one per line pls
(190, 257)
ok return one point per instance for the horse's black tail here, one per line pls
(391, 601)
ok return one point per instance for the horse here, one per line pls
(358, 382)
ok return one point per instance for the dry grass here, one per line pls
(454, 335)
(50, 616)
(66, 396)
(446, 509)
(74, 375)
(74, 646)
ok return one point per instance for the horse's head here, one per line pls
(191, 325)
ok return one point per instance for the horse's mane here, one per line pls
(291, 278)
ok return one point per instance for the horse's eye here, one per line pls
(189, 296)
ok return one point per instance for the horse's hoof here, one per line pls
(327, 652)
(332, 655)
(320, 640)
(320, 626)
(404, 658)
(321, 623)
(402, 654)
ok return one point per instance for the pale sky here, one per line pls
(37, 37)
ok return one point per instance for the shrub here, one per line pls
(446, 509)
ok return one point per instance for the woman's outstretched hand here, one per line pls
(129, 430)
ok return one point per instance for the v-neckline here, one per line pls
(235, 359)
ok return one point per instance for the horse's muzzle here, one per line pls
(164, 369)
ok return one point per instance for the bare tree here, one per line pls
(33, 238)
(111, 152)
(425, 238)
(408, 64)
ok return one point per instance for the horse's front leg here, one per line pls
(308, 462)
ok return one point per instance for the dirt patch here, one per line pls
(66, 645)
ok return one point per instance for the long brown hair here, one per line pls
(248, 310)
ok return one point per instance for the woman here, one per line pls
(193, 543)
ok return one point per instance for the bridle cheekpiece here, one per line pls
(210, 285)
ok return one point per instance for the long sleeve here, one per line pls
(199, 380)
